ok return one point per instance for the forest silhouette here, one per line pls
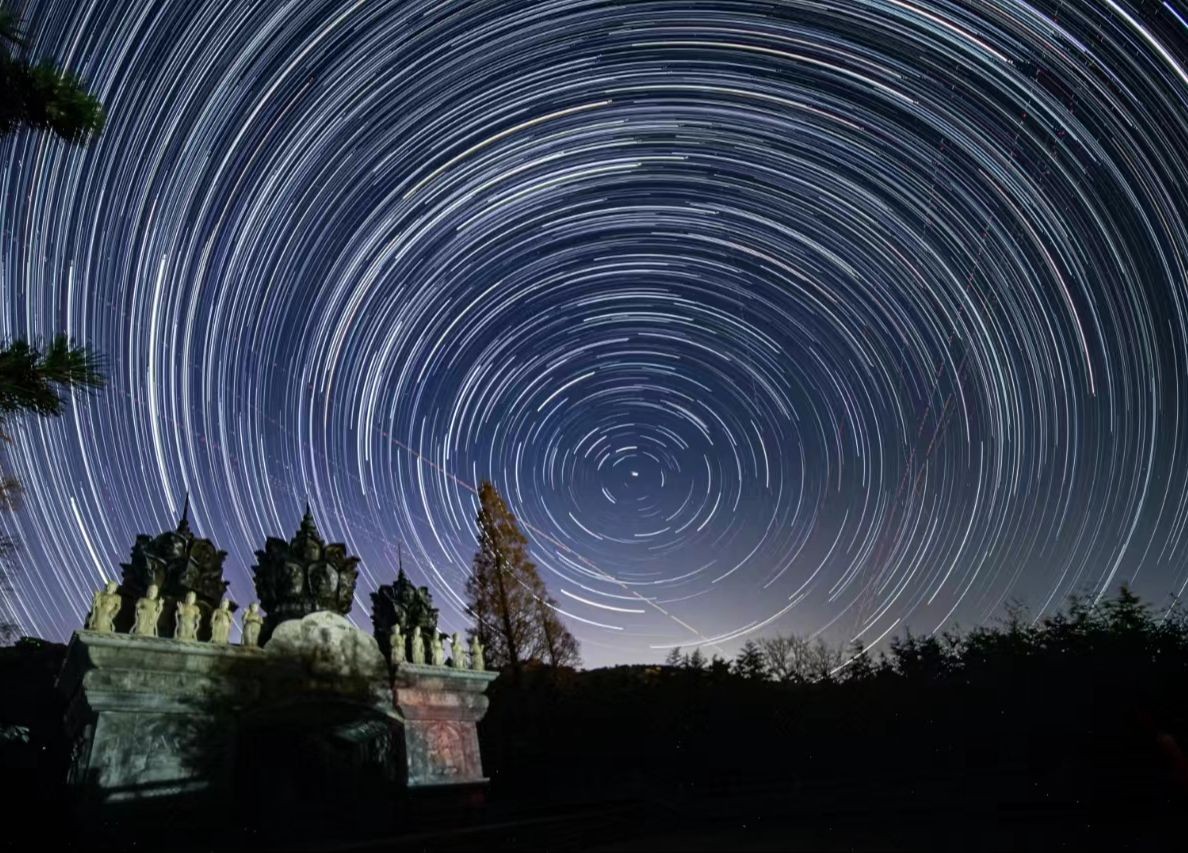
(1067, 732)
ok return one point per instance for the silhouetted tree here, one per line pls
(40, 95)
(515, 619)
(719, 668)
(695, 661)
(674, 657)
(860, 667)
(749, 662)
(35, 381)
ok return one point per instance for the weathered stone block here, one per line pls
(441, 709)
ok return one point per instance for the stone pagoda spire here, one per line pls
(302, 576)
(177, 562)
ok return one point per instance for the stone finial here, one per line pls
(188, 617)
(437, 651)
(476, 655)
(253, 621)
(457, 652)
(220, 623)
(303, 576)
(402, 603)
(104, 607)
(176, 561)
(148, 613)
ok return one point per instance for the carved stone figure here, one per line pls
(253, 621)
(176, 562)
(457, 652)
(148, 612)
(476, 655)
(188, 617)
(220, 623)
(104, 608)
(396, 641)
(437, 651)
(303, 576)
(418, 645)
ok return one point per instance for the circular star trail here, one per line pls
(826, 317)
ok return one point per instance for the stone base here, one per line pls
(441, 708)
(152, 717)
(140, 707)
(314, 721)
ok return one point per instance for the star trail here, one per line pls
(834, 317)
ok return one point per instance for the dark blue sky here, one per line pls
(824, 317)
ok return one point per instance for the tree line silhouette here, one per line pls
(1067, 730)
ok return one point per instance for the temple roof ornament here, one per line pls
(176, 562)
(304, 575)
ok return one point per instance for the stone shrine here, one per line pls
(176, 562)
(304, 708)
(303, 576)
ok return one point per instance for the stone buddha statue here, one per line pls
(104, 607)
(253, 622)
(220, 623)
(188, 617)
(148, 613)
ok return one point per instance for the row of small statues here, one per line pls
(401, 647)
(107, 602)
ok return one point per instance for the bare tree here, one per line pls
(787, 657)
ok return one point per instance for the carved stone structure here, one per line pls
(303, 576)
(404, 604)
(155, 717)
(441, 708)
(176, 562)
(162, 713)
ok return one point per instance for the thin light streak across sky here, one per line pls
(826, 317)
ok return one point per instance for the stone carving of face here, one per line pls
(176, 547)
(224, 605)
(191, 598)
(312, 551)
(152, 590)
(112, 586)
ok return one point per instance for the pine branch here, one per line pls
(32, 381)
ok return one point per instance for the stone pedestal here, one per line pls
(154, 717)
(441, 708)
(315, 722)
(139, 706)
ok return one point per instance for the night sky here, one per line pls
(826, 317)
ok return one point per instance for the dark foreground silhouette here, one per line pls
(1069, 734)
